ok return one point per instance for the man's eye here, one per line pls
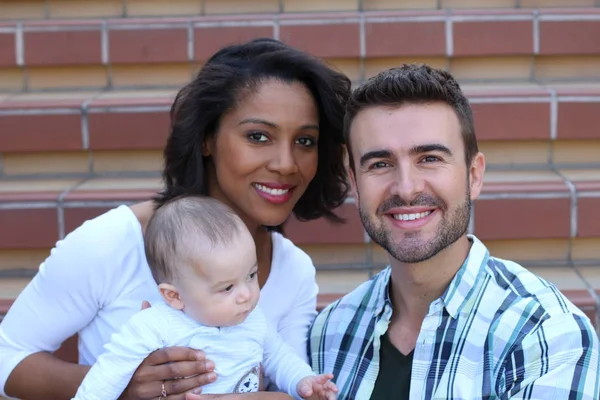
(430, 159)
(379, 164)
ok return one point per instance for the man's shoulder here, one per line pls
(529, 291)
(365, 299)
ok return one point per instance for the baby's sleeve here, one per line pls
(114, 368)
(282, 365)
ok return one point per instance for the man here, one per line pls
(445, 320)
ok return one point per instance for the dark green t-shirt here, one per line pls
(393, 380)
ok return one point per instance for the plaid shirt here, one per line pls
(498, 331)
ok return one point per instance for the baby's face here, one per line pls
(224, 289)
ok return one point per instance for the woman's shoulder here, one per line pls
(116, 229)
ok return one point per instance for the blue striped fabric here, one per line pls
(497, 332)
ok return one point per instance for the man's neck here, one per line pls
(415, 286)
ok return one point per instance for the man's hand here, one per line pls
(317, 387)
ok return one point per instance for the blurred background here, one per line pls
(86, 85)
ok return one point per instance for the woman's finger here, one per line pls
(181, 386)
(170, 354)
(179, 370)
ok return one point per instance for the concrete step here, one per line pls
(53, 9)
(79, 133)
(534, 217)
(479, 45)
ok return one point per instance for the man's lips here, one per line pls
(410, 213)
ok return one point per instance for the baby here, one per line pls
(204, 260)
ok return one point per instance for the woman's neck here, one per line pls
(264, 254)
(260, 234)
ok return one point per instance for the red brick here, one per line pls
(522, 218)
(23, 133)
(525, 187)
(582, 300)
(138, 46)
(33, 196)
(7, 55)
(512, 121)
(321, 231)
(492, 38)
(31, 228)
(5, 305)
(327, 41)
(62, 48)
(588, 215)
(578, 120)
(405, 39)
(74, 217)
(210, 39)
(119, 195)
(128, 131)
(569, 37)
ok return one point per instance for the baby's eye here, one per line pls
(253, 275)
(228, 288)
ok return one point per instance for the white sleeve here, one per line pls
(113, 369)
(294, 326)
(282, 365)
(64, 296)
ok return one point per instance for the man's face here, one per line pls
(413, 188)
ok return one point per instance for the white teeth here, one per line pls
(411, 217)
(273, 192)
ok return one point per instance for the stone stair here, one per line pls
(85, 88)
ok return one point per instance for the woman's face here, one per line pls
(264, 154)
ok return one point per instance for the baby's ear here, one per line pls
(171, 295)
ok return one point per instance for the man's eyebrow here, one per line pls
(428, 148)
(374, 154)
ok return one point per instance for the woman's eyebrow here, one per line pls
(258, 121)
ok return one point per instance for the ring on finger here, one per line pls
(163, 393)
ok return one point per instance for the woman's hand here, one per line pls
(168, 367)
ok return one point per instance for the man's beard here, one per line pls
(412, 248)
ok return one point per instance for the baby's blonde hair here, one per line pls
(182, 226)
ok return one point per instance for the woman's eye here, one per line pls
(307, 141)
(258, 137)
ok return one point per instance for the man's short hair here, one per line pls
(181, 228)
(413, 84)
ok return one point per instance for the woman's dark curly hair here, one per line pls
(236, 71)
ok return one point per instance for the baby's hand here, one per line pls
(318, 387)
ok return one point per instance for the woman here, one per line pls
(260, 128)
